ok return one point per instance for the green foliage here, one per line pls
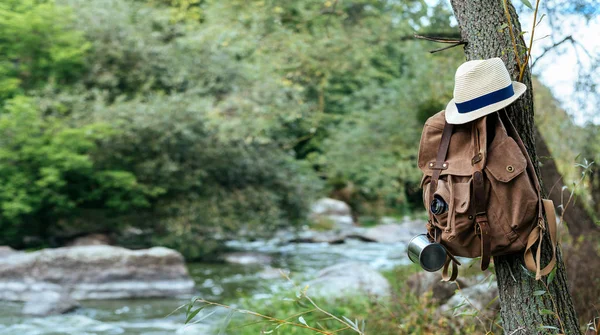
(42, 158)
(36, 47)
(183, 10)
(209, 186)
(376, 146)
(196, 120)
(137, 50)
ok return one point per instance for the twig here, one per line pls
(554, 185)
(564, 208)
(475, 307)
(438, 39)
(568, 38)
(448, 47)
(528, 55)
(268, 318)
(322, 310)
(562, 327)
(511, 32)
(511, 273)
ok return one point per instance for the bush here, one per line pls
(48, 175)
(206, 187)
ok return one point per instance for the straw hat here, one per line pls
(481, 87)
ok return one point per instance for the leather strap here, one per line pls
(478, 143)
(537, 235)
(454, 275)
(437, 168)
(481, 219)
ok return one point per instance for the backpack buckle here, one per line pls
(476, 159)
(541, 224)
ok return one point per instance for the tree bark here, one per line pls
(522, 312)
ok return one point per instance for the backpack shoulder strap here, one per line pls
(437, 168)
(481, 220)
(482, 228)
(537, 234)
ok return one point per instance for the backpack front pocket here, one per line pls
(456, 224)
(512, 204)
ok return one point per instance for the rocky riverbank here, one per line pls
(344, 261)
(94, 272)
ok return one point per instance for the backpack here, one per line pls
(483, 175)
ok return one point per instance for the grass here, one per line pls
(297, 314)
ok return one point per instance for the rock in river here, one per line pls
(246, 258)
(49, 303)
(95, 272)
(91, 239)
(336, 211)
(6, 250)
(391, 232)
(349, 279)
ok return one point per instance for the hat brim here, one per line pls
(454, 117)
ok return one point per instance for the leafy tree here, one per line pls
(36, 47)
(210, 187)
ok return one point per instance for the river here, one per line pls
(224, 283)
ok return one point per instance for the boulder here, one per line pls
(95, 272)
(328, 236)
(391, 232)
(424, 282)
(398, 232)
(478, 297)
(91, 239)
(49, 303)
(327, 209)
(6, 250)
(348, 279)
(246, 258)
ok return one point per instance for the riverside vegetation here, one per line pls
(185, 123)
(405, 312)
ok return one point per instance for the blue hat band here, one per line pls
(485, 100)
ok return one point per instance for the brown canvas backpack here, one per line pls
(482, 171)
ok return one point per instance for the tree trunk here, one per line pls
(522, 312)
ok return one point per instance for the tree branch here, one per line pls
(439, 39)
(448, 47)
(568, 38)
